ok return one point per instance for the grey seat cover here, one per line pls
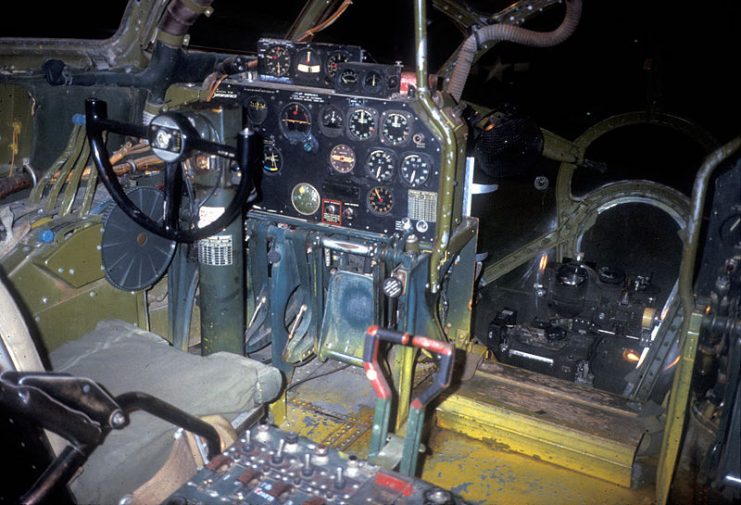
(124, 358)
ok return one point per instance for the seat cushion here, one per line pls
(124, 358)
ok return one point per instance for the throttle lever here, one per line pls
(380, 385)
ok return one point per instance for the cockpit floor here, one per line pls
(332, 404)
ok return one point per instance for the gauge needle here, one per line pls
(378, 194)
(414, 174)
(378, 173)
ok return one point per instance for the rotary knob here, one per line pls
(392, 287)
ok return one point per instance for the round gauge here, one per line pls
(332, 121)
(380, 164)
(415, 169)
(342, 158)
(295, 121)
(395, 128)
(349, 78)
(308, 62)
(373, 82)
(730, 230)
(277, 61)
(334, 60)
(272, 160)
(380, 200)
(257, 109)
(305, 199)
(362, 124)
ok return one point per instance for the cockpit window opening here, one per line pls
(63, 19)
(236, 26)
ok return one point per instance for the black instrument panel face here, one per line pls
(360, 163)
(312, 64)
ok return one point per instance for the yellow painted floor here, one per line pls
(482, 474)
(337, 410)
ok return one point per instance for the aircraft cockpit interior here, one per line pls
(369, 252)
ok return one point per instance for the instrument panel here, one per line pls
(340, 159)
(313, 64)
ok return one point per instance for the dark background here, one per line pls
(691, 47)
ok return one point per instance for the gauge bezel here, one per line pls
(332, 132)
(392, 157)
(276, 150)
(334, 167)
(314, 190)
(297, 63)
(287, 53)
(423, 156)
(370, 88)
(410, 130)
(293, 136)
(348, 86)
(263, 114)
(374, 129)
(369, 205)
(332, 55)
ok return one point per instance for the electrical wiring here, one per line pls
(309, 34)
(317, 376)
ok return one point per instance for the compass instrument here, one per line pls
(257, 110)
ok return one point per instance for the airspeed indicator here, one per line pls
(362, 124)
(395, 128)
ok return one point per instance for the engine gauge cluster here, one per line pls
(368, 79)
(314, 64)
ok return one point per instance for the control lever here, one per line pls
(84, 413)
(382, 415)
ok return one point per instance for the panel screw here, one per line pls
(118, 419)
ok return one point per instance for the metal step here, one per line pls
(556, 421)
